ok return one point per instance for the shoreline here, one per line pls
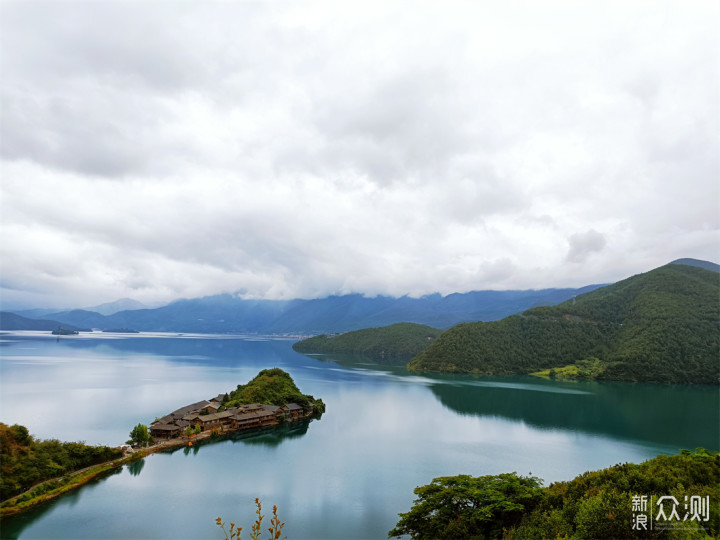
(79, 478)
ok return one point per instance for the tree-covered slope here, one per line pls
(387, 344)
(27, 461)
(661, 326)
(272, 387)
(623, 501)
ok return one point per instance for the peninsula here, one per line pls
(271, 398)
(34, 471)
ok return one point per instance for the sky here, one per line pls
(164, 150)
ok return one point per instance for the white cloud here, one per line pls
(308, 149)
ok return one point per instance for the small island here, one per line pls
(60, 331)
(121, 331)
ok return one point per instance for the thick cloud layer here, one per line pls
(287, 150)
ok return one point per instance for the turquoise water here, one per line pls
(346, 475)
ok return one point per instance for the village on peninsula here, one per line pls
(270, 399)
(207, 415)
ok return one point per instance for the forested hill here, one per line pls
(272, 387)
(661, 326)
(388, 344)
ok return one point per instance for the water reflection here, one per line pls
(13, 526)
(270, 437)
(676, 415)
(136, 467)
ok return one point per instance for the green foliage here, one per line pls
(139, 435)
(273, 387)
(275, 528)
(599, 504)
(662, 326)
(591, 368)
(593, 505)
(464, 506)
(26, 461)
(389, 344)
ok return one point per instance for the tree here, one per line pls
(139, 435)
(464, 506)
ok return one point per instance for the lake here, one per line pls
(346, 475)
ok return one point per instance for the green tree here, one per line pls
(139, 435)
(464, 506)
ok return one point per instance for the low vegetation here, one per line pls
(26, 461)
(662, 326)
(233, 532)
(272, 387)
(394, 344)
(592, 368)
(600, 504)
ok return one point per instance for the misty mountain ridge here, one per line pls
(226, 313)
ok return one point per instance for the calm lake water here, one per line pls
(346, 475)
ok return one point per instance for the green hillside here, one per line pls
(661, 326)
(272, 387)
(27, 460)
(617, 502)
(388, 344)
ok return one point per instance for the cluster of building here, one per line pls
(207, 415)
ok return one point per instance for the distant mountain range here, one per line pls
(108, 308)
(12, 321)
(226, 313)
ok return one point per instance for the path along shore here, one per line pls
(75, 479)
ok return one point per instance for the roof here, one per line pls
(250, 407)
(215, 416)
(164, 427)
(190, 408)
(218, 398)
(292, 406)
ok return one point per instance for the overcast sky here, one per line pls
(158, 150)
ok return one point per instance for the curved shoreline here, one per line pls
(81, 477)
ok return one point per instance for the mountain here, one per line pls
(11, 321)
(118, 305)
(707, 265)
(661, 326)
(227, 313)
(385, 345)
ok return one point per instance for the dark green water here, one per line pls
(346, 475)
